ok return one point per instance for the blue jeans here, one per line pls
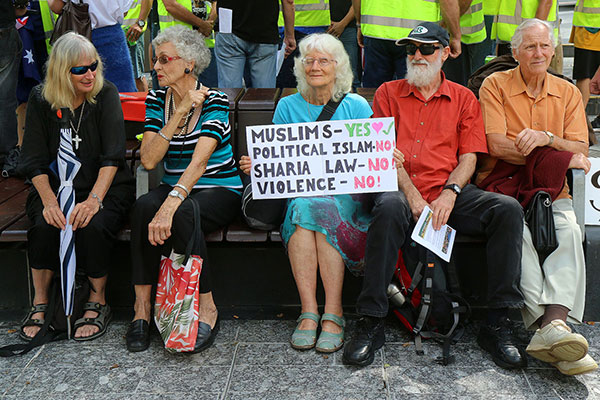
(384, 61)
(10, 57)
(209, 76)
(232, 53)
(472, 57)
(348, 38)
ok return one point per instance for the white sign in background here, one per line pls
(592, 193)
(322, 158)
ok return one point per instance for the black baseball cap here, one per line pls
(426, 32)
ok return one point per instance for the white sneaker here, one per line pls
(555, 342)
(583, 366)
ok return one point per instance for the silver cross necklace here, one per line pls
(77, 139)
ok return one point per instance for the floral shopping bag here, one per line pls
(178, 295)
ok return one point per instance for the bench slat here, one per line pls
(10, 187)
(12, 209)
(241, 233)
(17, 231)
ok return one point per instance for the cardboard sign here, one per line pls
(592, 193)
(322, 158)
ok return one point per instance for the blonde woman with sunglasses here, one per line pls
(103, 186)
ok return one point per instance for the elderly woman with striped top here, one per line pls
(187, 130)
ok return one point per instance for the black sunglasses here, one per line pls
(425, 49)
(83, 69)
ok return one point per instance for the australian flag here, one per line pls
(32, 59)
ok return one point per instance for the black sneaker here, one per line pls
(368, 337)
(500, 341)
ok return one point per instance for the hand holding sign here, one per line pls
(318, 158)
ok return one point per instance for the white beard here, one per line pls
(423, 75)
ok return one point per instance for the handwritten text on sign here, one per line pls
(318, 158)
(592, 193)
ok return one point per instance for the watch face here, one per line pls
(141, 23)
(173, 193)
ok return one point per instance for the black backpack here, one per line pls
(432, 307)
(55, 326)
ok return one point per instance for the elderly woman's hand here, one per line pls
(193, 99)
(398, 158)
(84, 212)
(245, 164)
(159, 229)
(54, 216)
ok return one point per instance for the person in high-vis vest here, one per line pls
(473, 50)
(134, 26)
(181, 12)
(382, 22)
(585, 36)
(490, 10)
(248, 39)
(311, 16)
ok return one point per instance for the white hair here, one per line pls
(423, 76)
(517, 38)
(189, 44)
(328, 44)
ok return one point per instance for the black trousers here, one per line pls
(93, 244)
(218, 207)
(476, 212)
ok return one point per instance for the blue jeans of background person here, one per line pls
(10, 57)
(348, 39)
(384, 61)
(478, 213)
(472, 57)
(209, 77)
(232, 52)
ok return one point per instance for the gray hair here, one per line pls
(517, 38)
(189, 45)
(328, 44)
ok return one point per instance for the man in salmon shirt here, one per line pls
(530, 113)
(439, 132)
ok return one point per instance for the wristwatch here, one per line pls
(550, 136)
(454, 187)
(175, 193)
(141, 23)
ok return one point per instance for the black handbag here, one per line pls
(268, 214)
(74, 17)
(541, 224)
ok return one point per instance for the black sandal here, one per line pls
(28, 321)
(101, 320)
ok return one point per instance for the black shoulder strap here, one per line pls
(329, 109)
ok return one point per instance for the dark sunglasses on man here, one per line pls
(84, 68)
(425, 49)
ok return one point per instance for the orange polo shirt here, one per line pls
(432, 133)
(508, 108)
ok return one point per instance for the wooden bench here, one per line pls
(235, 244)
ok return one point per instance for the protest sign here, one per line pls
(592, 193)
(319, 158)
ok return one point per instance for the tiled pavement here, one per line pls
(253, 360)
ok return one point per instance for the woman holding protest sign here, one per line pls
(322, 233)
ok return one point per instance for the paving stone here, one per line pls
(456, 381)
(277, 382)
(549, 384)
(278, 331)
(169, 380)
(279, 354)
(307, 396)
(111, 356)
(7, 379)
(54, 382)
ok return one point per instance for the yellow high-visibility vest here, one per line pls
(309, 13)
(511, 13)
(472, 24)
(393, 19)
(48, 19)
(587, 13)
(166, 20)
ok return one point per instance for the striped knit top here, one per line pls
(214, 123)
